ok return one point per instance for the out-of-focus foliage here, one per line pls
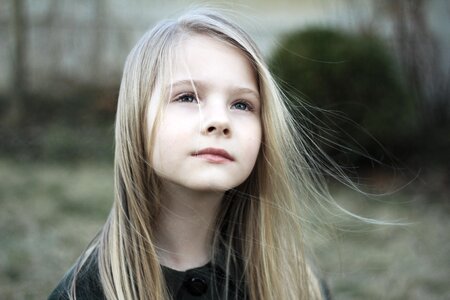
(71, 126)
(349, 73)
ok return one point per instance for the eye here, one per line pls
(242, 105)
(187, 98)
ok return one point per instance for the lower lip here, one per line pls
(217, 159)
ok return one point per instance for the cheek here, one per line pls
(173, 132)
(257, 134)
(166, 139)
(253, 141)
(164, 158)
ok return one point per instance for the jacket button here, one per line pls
(196, 286)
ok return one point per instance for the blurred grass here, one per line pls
(50, 212)
(409, 261)
(48, 215)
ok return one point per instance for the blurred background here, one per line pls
(374, 74)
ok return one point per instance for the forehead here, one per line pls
(205, 58)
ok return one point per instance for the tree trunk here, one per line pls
(18, 88)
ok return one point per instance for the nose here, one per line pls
(217, 128)
(216, 122)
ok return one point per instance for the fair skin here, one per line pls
(207, 143)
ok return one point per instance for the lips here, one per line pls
(215, 155)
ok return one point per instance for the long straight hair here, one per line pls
(260, 222)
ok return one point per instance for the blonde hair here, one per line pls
(260, 221)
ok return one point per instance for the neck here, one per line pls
(186, 226)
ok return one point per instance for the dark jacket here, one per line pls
(202, 283)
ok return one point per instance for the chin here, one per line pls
(212, 187)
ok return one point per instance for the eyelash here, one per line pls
(185, 95)
(248, 106)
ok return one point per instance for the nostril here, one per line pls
(211, 129)
(226, 131)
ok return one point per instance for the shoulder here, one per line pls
(87, 283)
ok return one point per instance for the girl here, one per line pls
(210, 176)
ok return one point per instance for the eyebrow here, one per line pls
(201, 84)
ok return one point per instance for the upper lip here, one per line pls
(214, 151)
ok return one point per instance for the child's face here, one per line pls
(209, 142)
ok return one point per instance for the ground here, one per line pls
(50, 212)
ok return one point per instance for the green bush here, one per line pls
(349, 73)
(71, 126)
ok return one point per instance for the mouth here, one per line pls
(214, 155)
